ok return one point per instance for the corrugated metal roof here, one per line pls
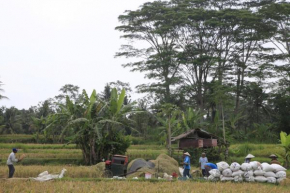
(183, 135)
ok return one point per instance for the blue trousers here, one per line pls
(186, 173)
(11, 171)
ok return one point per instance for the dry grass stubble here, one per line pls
(129, 187)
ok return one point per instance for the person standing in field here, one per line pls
(10, 161)
(202, 161)
(186, 165)
(274, 159)
(248, 158)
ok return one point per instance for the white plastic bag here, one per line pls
(271, 180)
(278, 168)
(261, 179)
(250, 179)
(222, 165)
(212, 178)
(270, 174)
(215, 173)
(259, 172)
(248, 174)
(267, 167)
(43, 174)
(224, 178)
(279, 180)
(235, 166)
(238, 178)
(281, 174)
(227, 172)
(181, 171)
(238, 173)
(246, 167)
(256, 165)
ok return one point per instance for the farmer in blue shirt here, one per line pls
(186, 165)
(208, 167)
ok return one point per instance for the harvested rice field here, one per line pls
(131, 186)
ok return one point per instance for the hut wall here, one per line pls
(209, 142)
(189, 143)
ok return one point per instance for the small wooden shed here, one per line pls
(196, 138)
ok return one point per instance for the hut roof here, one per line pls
(202, 133)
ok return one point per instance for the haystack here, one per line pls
(141, 172)
(166, 164)
(100, 167)
(136, 164)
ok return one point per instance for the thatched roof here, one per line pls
(201, 133)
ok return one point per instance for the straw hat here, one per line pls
(273, 156)
(186, 153)
(249, 156)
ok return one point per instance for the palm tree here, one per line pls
(1, 90)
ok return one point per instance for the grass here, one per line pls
(40, 154)
(33, 171)
(134, 186)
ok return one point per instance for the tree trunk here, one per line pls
(169, 138)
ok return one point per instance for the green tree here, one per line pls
(168, 117)
(152, 25)
(1, 90)
(96, 126)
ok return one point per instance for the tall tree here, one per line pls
(152, 25)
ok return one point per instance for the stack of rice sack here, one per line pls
(274, 172)
(226, 172)
(249, 172)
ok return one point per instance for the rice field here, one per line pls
(134, 186)
(78, 178)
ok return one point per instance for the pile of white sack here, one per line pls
(249, 172)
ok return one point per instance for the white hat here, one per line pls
(249, 156)
(186, 153)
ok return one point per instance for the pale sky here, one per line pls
(45, 44)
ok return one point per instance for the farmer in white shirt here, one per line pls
(203, 160)
(12, 159)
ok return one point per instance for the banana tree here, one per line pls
(285, 142)
(95, 124)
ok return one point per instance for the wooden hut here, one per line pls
(196, 138)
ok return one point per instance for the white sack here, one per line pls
(181, 171)
(238, 178)
(261, 179)
(271, 180)
(227, 179)
(259, 172)
(222, 165)
(213, 179)
(270, 174)
(267, 167)
(279, 180)
(227, 173)
(250, 179)
(278, 168)
(215, 173)
(43, 174)
(248, 174)
(281, 174)
(238, 173)
(246, 167)
(256, 165)
(235, 166)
